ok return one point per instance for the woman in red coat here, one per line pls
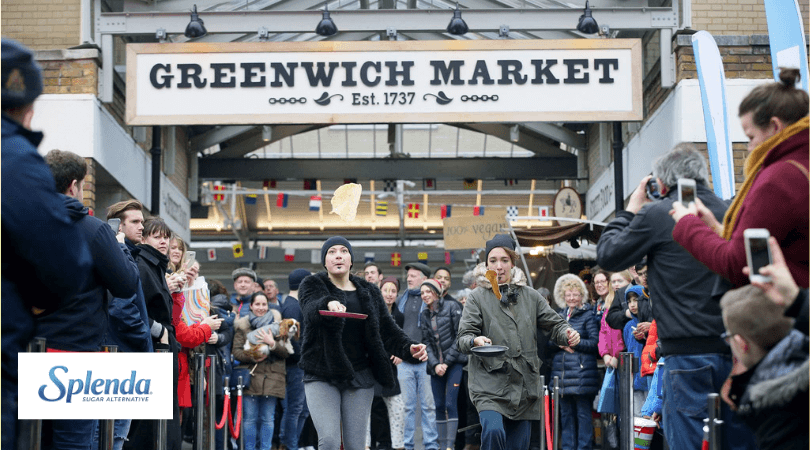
(774, 194)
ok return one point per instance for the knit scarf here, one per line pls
(753, 164)
(259, 321)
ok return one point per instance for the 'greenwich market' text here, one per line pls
(371, 73)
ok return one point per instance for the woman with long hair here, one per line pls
(343, 357)
(774, 194)
(439, 325)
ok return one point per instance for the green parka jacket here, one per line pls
(508, 384)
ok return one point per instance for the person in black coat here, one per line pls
(342, 357)
(445, 365)
(576, 367)
(157, 288)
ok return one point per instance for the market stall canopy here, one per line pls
(535, 237)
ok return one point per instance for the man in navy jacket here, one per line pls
(45, 258)
(79, 324)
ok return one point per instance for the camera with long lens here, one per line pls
(653, 192)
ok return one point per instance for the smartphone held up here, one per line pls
(687, 189)
(758, 253)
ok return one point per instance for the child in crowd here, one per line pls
(635, 346)
(771, 396)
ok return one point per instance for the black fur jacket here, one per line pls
(322, 343)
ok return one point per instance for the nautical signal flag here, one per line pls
(310, 184)
(422, 257)
(262, 252)
(507, 182)
(315, 203)
(269, 184)
(543, 211)
(238, 252)
(218, 188)
(212, 254)
(447, 211)
(349, 180)
(250, 199)
(429, 184)
(369, 257)
(390, 185)
(413, 210)
(449, 258)
(396, 259)
(470, 183)
(289, 254)
(511, 211)
(382, 208)
(281, 200)
(478, 211)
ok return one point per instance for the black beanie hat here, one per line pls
(333, 241)
(296, 277)
(499, 240)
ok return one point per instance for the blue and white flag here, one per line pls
(715, 112)
(786, 36)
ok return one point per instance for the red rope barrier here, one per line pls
(548, 422)
(235, 427)
(226, 410)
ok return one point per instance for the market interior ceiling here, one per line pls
(546, 152)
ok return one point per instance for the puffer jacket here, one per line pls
(508, 384)
(270, 375)
(772, 397)
(578, 371)
(443, 350)
(649, 356)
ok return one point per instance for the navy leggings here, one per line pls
(445, 392)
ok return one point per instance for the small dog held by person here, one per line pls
(282, 332)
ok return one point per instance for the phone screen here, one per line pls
(759, 253)
(687, 194)
(114, 224)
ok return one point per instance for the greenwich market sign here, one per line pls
(387, 81)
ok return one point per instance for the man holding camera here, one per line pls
(79, 324)
(689, 320)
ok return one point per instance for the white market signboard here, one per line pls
(387, 81)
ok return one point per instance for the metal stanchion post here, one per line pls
(226, 437)
(212, 409)
(106, 428)
(161, 437)
(557, 431)
(715, 423)
(199, 401)
(626, 401)
(241, 440)
(543, 394)
(30, 431)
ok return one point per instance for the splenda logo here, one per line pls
(124, 386)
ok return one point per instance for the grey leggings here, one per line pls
(329, 407)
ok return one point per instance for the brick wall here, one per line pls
(63, 73)
(735, 17)
(743, 56)
(89, 187)
(42, 24)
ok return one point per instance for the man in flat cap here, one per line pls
(243, 279)
(414, 380)
(48, 259)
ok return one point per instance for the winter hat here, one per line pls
(243, 272)
(394, 280)
(636, 289)
(21, 79)
(418, 266)
(333, 241)
(433, 284)
(499, 240)
(260, 281)
(296, 277)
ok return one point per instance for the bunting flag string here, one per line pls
(368, 257)
(396, 259)
(382, 208)
(447, 211)
(512, 211)
(542, 211)
(238, 252)
(212, 254)
(422, 257)
(478, 210)
(289, 254)
(315, 203)
(413, 210)
(281, 200)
